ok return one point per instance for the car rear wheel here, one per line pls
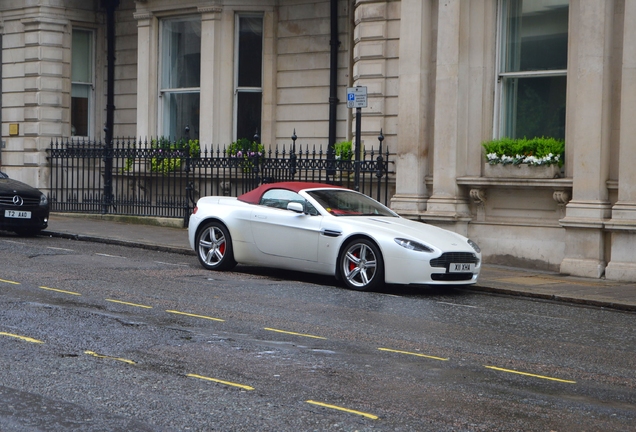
(361, 265)
(214, 247)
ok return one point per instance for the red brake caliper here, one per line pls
(351, 263)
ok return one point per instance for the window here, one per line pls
(249, 71)
(280, 198)
(81, 82)
(180, 77)
(533, 68)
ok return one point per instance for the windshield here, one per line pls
(340, 202)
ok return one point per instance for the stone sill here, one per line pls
(516, 183)
(478, 189)
(522, 171)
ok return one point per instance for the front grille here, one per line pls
(7, 200)
(451, 276)
(454, 257)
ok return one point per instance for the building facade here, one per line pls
(441, 78)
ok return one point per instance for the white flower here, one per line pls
(505, 159)
(549, 159)
(531, 160)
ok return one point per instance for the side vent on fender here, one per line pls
(331, 233)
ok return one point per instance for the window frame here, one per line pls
(500, 108)
(238, 89)
(90, 85)
(164, 93)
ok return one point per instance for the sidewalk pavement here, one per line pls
(169, 235)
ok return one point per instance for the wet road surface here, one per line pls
(100, 337)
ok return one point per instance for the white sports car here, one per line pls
(328, 230)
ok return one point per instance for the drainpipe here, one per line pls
(1, 140)
(333, 86)
(110, 6)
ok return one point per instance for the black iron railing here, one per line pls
(162, 178)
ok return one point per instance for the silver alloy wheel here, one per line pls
(212, 246)
(215, 251)
(359, 265)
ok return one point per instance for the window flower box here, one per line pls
(522, 170)
(524, 158)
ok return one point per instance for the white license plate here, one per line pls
(461, 268)
(17, 214)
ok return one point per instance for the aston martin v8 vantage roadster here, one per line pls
(328, 230)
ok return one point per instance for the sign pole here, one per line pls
(357, 98)
(356, 181)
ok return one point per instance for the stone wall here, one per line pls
(36, 78)
(303, 68)
(125, 71)
(376, 66)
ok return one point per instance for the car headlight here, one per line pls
(474, 245)
(44, 200)
(413, 245)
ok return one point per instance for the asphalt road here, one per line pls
(102, 337)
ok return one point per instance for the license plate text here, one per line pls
(461, 268)
(17, 214)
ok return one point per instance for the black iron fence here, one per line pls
(164, 178)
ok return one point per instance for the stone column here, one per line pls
(44, 81)
(446, 205)
(210, 81)
(623, 223)
(414, 127)
(147, 97)
(224, 132)
(36, 91)
(270, 79)
(370, 62)
(588, 131)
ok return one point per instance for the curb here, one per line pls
(137, 220)
(95, 239)
(553, 297)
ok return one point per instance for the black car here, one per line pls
(23, 209)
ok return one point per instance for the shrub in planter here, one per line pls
(246, 150)
(168, 155)
(343, 150)
(536, 151)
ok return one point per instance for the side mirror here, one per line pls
(296, 207)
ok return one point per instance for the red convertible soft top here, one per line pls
(254, 196)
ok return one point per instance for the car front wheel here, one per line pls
(361, 265)
(214, 247)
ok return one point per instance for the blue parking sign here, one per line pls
(356, 97)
